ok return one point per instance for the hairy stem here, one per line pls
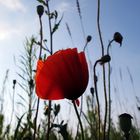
(79, 119)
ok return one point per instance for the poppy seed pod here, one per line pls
(125, 122)
(62, 75)
(105, 59)
(118, 38)
(40, 10)
(89, 38)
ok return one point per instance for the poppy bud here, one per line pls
(125, 122)
(89, 38)
(31, 83)
(105, 59)
(14, 81)
(40, 10)
(118, 38)
(92, 90)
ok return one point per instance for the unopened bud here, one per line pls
(92, 90)
(14, 81)
(40, 10)
(118, 38)
(105, 59)
(89, 38)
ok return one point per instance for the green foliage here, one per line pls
(1, 124)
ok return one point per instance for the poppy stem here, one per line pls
(97, 98)
(50, 28)
(35, 119)
(85, 46)
(41, 37)
(51, 52)
(49, 117)
(109, 45)
(38, 100)
(78, 116)
(13, 102)
(104, 74)
(109, 92)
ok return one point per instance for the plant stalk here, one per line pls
(109, 92)
(104, 75)
(97, 98)
(79, 119)
(51, 52)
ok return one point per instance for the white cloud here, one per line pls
(63, 7)
(7, 32)
(13, 4)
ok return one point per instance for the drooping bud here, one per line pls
(89, 38)
(105, 59)
(40, 10)
(118, 38)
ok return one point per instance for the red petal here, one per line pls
(46, 86)
(85, 75)
(77, 102)
(73, 68)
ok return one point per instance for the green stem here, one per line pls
(104, 75)
(51, 51)
(41, 37)
(109, 91)
(13, 103)
(38, 100)
(49, 117)
(78, 116)
(97, 98)
(35, 120)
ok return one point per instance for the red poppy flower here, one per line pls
(62, 75)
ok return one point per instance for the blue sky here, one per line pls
(19, 20)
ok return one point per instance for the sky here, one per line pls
(19, 20)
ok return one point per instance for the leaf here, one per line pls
(57, 25)
(18, 126)
(68, 29)
(19, 103)
(79, 9)
(42, 1)
(55, 14)
(56, 109)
